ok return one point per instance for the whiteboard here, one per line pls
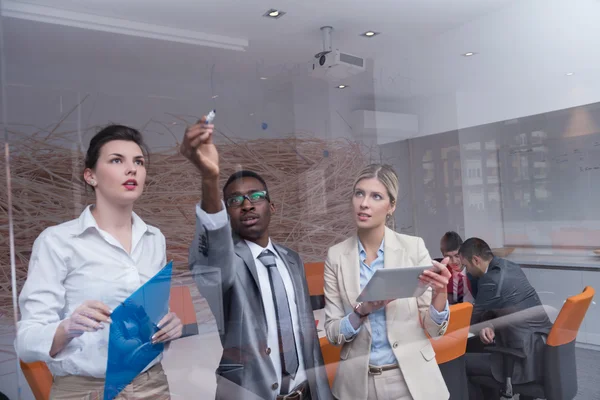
(551, 190)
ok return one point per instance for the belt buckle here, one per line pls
(375, 370)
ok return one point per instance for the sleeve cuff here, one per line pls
(72, 348)
(439, 317)
(347, 329)
(36, 347)
(212, 222)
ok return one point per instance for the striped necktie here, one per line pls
(285, 331)
(460, 289)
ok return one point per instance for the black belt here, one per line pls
(300, 392)
(379, 370)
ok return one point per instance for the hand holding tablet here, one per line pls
(394, 283)
(405, 282)
(436, 277)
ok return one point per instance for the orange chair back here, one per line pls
(331, 358)
(181, 304)
(39, 379)
(315, 278)
(569, 319)
(454, 342)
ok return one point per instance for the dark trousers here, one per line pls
(480, 365)
(475, 345)
(455, 376)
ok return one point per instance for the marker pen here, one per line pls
(211, 116)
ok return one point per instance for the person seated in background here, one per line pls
(460, 284)
(507, 312)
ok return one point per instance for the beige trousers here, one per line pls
(151, 384)
(390, 385)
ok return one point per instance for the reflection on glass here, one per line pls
(511, 154)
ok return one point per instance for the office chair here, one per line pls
(181, 304)
(316, 284)
(450, 350)
(39, 378)
(331, 358)
(560, 372)
(316, 288)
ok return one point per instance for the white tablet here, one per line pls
(394, 283)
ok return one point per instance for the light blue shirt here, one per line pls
(381, 351)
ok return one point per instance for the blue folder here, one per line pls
(130, 347)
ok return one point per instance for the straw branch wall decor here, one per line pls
(309, 180)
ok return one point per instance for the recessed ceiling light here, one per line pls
(569, 73)
(469, 54)
(370, 34)
(273, 13)
(341, 86)
(263, 78)
(215, 96)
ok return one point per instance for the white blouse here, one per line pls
(74, 262)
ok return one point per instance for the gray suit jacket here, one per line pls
(224, 270)
(506, 298)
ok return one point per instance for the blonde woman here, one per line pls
(386, 353)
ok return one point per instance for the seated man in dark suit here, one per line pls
(509, 313)
(460, 283)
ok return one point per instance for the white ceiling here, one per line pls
(293, 39)
(521, 44)
(402, 22)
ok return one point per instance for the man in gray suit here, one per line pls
(255, 288)
(508, 313)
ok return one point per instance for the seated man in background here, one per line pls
(460, 284)
(509, 313)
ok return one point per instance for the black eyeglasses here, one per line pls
(254, 197)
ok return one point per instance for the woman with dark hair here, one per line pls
(83, 268)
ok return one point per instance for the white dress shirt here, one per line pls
(74, 262)
(218, 220)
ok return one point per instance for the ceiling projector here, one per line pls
(333, 64)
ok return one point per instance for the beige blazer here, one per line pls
(406, 321)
